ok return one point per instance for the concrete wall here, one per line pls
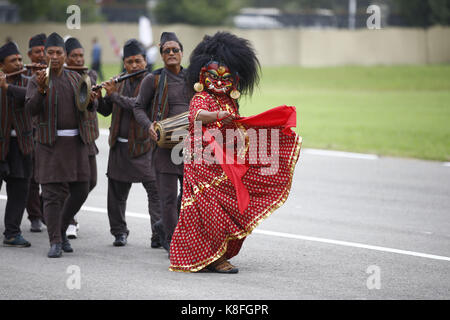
(438, 40)
(302, 47)
(365, 47)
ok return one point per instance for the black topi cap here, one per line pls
(132, 48)
(72, 44)
(7, 50)
(37, 40)
(169, 36)
(55, 40)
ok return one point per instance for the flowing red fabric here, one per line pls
(234, 171)
(282, 116)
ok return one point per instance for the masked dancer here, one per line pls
(226, 194)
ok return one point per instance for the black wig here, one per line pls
(227, 49)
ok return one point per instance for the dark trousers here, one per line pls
(61, 202)
(34, 203)
(169, 200)
(117, 203)
(92, 182)
(17, 192)
(93, 169)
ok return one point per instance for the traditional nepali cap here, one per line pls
(132, 48)
(37, 40)
(7, 50)
(55, 40)
(169, 36)
(72, 44)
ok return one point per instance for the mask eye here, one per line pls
(213, 74)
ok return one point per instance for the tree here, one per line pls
(415, 12)
(423, 13)
(440, 11)
(196, 12)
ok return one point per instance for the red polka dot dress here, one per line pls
(212, 223)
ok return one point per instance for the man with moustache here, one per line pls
(63, 138)
(16, 143)
(130, 158)
(34, 204)
(75, 58)
(174, 100)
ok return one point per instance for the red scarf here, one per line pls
(282, 116)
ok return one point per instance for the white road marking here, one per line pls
(446, 164)
(127, 213)
(340, 154)
(307, 238)
(295, 236)
(352, 244)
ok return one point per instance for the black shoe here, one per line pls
(155, 243)
(55, 251)
(17, 241)
(162, 236)
(66, 247)
(36, 225)
(121, 240)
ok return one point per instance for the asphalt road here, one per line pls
(352, 228)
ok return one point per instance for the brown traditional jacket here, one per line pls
(139, 141)
(14, 115)
(162, 97)
(47, 114)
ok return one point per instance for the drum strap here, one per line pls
(162, 97)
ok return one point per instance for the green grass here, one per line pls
(399, 111)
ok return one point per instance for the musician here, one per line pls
(63, 138)
(75, 58)
(174, 100)
(129, 156)
(36, 51)
(34, 205)
(16, 143)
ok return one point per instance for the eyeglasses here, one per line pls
(174, 50)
